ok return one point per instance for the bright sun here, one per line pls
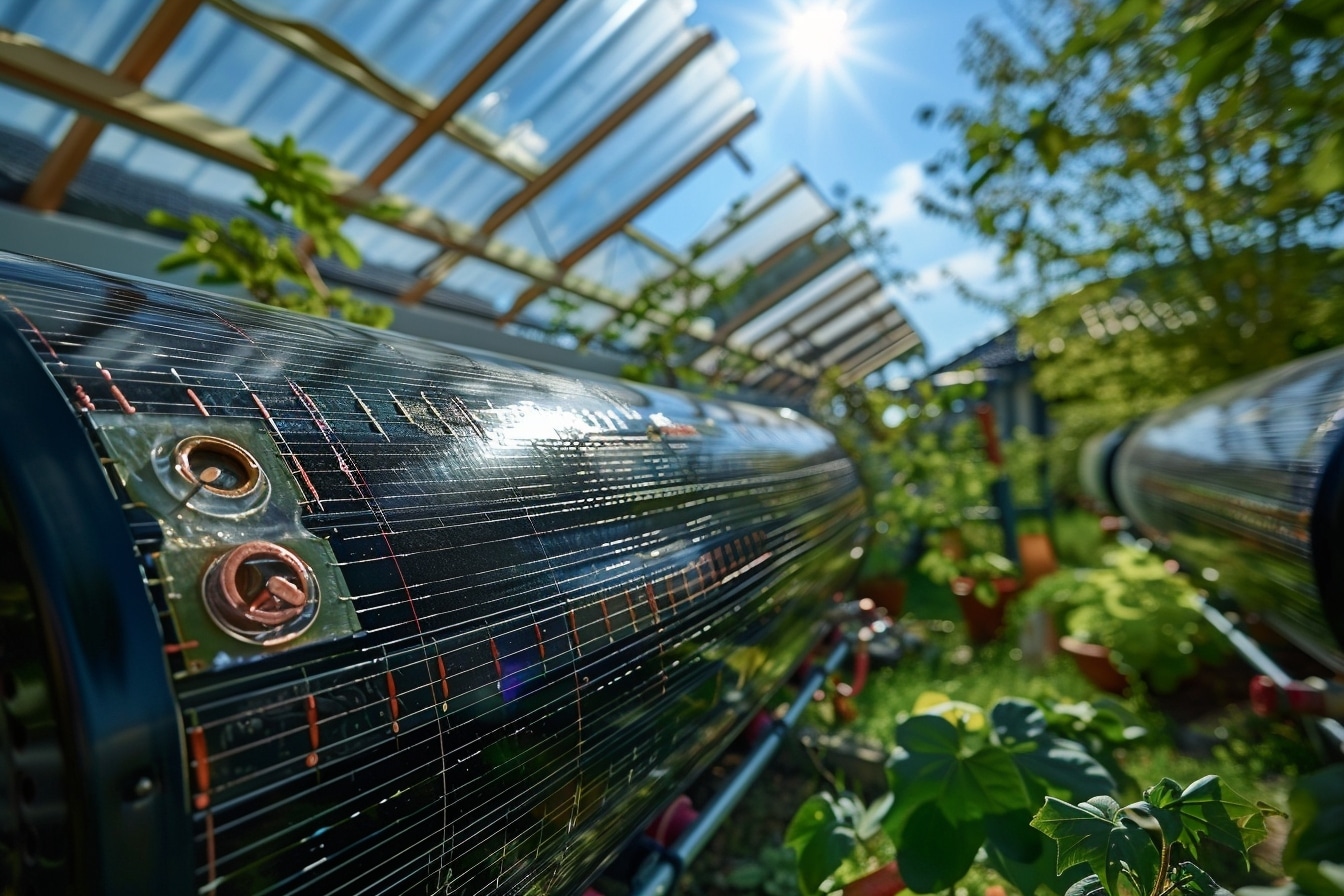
(816, 35)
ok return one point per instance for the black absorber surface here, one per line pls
(384, 616)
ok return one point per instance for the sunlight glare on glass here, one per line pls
(816, 35)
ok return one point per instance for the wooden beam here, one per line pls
(439, 267)
(632, 211)
(461, 92)
(47, 191)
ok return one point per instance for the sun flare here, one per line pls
(816, 35)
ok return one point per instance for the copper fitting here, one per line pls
(217, 465)
(260, 592)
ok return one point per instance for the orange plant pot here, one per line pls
(1094, 661)
(885, 881)
(983, 623)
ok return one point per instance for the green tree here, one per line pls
(1170, 175)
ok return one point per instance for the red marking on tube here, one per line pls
(178, 648)
(126, 406)
(313, 734)
(32, 327)
(82, 398)
(574, 629)
(671, 594)
(265, 414)
(210, 846)
(494, 652)
(200, 758)
(392, 701)
(196, 401)
(541, 645)
(606, 617)
(653, 604)
(443, 678)
(630, 605)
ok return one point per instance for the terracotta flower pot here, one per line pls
(1094, 661)
(889, 594)
(1038, 557)
(983, 623)
(885, 881)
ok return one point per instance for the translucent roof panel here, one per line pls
(43, 121)
(424, 48)
(242, 78)
(454, 181)
(800, 211)
(128, 151)
(670, 128)
(589, 317)
(491, 284)
(580, 66)
(818, 290)
(623, 264)
(95, 32)
(806, 322)
(383, 245)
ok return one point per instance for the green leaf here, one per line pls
(1021, 726)
(1209, 809)
(821, 838)
(1191, 880)
(937, 852)
(1088, 886)
(1094, 833)
(1012, 835)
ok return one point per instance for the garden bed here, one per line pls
(1204, 727)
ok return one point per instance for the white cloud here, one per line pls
(897, 203)
(976, 267)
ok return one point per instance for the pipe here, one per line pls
(662, 877)
(1250, 651)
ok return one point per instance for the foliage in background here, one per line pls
(961, 779)
(264, 260)
(1151, 847)
(1314, 853)
(1147, 615)
(1170, 175)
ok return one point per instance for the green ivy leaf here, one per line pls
(1095, 833)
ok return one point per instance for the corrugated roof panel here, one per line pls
(669, 129)
(245, 79)
(813, 291)
(454, 181)
(801, 211)
(623, 264)
(23, 112)
(423, 46)
(491, 284)
(583, 64)
(96, 32)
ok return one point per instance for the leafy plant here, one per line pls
(1314, 853)
(981, 566)
(961, 780)
(773, 873)
(1150, 847)
(1146, 615)
(264, 260)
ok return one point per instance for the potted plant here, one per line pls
(1132, 618)
(984, 582)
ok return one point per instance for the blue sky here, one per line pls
(856, 125)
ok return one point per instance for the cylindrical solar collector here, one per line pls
(291, 606)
